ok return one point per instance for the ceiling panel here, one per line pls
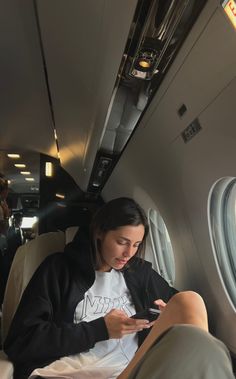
(83, 43)
(25, 118)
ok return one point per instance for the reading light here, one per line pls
(14, 156)
(20, 165)
(145, 59)
(25, 172)
(30, 179)
(48, 169)
(144, 64)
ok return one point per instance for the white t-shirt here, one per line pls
(107, 359)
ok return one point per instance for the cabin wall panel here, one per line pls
(212, 156)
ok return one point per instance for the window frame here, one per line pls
(221, 222)
(161, 247)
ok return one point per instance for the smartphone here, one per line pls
(150, 314)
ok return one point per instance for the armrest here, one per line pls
(6, 366)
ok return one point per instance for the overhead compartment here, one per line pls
(208, 68)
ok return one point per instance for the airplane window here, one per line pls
(162, 248)
(222, 226)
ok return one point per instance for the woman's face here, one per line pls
(118, 246)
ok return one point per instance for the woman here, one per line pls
(74, 317)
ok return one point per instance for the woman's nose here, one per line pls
(129, 251)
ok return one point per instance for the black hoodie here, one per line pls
(43, 330)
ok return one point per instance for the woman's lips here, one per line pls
(121, 261)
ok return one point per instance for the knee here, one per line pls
(189, 297)
(190, 300)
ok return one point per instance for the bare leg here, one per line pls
(183, 308)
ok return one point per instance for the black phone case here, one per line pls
(148, 314)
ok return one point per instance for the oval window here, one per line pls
(161, 245)
(222, 227)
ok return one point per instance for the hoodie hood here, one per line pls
(81, 255)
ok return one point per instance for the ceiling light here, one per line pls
(14, 156)
(25, 172)
(30, 179)
(60, 196)
(20, 165)
(48, 169)
(55, 134)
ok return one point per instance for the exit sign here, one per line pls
(230, 9)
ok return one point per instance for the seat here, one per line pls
(6, 367)
(70, 233)
(28, 257)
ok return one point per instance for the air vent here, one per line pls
(191, 130)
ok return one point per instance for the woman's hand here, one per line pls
(119, 324)
(160, 303)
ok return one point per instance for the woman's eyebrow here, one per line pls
(128, 240)
(124, 238)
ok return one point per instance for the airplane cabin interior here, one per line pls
(107, 98)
